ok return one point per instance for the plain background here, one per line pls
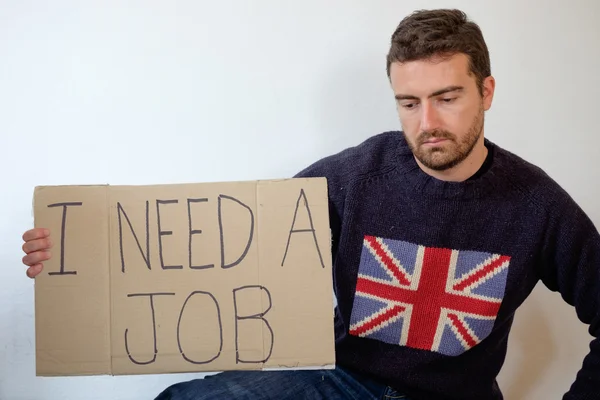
(145, 92)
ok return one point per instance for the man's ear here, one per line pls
(489, 85)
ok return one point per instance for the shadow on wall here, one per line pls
(531, 351)
(354, 101)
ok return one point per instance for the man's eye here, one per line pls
(448, 99)
(409, 106)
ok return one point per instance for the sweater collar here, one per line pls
(421, 182)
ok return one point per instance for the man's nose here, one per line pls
(430, 119)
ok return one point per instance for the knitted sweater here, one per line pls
(428, 274)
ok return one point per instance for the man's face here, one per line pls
(441, 109)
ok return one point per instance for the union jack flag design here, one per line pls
(428, 298)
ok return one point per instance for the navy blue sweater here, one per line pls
(428, 274)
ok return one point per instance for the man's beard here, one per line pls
(447, 155)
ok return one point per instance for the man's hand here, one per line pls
(37, 250)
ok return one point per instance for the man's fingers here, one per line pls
(34, 270)
(36, 233)
(36, 245)
(36, 258)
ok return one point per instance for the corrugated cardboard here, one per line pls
(182, 278)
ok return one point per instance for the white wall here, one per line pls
(160, 92)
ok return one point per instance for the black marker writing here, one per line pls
(151, 295)
(312, 228)
(162, 233)
(63, 230)
(259, 316)
(239, 260)
(195, 232)
(146, 256)
(220, 328)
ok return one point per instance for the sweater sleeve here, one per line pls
(571, 266)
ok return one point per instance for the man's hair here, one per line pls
(425, 34)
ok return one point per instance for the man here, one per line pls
(439, 235)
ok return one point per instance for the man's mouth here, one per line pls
(434, 141)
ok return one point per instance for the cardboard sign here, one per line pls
(182, 278)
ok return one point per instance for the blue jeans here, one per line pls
(333, 384)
